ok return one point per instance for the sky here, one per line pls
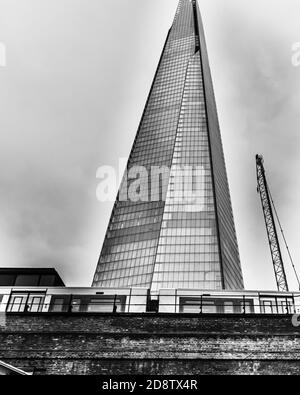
(72, 93)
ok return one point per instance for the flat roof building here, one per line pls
(30, 277)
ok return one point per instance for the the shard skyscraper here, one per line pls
(168, 242)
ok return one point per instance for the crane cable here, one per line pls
(285, 242)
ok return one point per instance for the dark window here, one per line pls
(27, 280)
(7, 279)
(60, 303)
(47, 279)
(57, 305)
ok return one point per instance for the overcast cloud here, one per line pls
(71, 96)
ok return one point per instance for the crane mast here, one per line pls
(262, 188)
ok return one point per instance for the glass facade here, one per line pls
(167, 238)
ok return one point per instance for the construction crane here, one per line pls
(266, 201)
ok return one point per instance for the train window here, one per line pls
(76, 305)
(268, 307)
(189, 305)
(101, 305)
(57, 305)
(228, 307)
(106, 304)
(237, 307)
(17, 304)
(25, 302)
(86, 303)
(209, 307)
(35, 303)
(248, 307)
(285, 307)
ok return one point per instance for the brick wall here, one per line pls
(152, 344)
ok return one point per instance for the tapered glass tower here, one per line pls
(164, 239)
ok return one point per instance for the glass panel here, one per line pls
(169, 237)
(27, 280)
(7, 279)
(17, 303)
(76, 305)
(209, 307)
(103, 305)
(268, 307)
(35, 303)
(58, 305)
(286, 307)
(228, 307)
(248, 307)
(47, 279)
